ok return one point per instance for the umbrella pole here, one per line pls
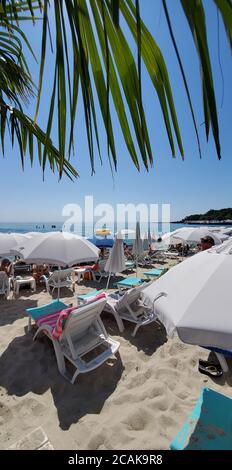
(108, 281)
(59, 285)
(136, 266)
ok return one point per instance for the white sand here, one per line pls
(139, 401)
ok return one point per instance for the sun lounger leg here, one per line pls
(75, 376)
(222, 361)
(59, 358)
(135, 330)
(119, 322)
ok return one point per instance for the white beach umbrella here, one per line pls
(116, 261)
(61, 248)
(194, 298)
(32, 234)
(223, 237)
(171, 238)
(227, 230)
(221, 233)
(10, 240)
(137, 249)
(145, 242)
(194, 235)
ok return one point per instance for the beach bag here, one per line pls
(88, 276)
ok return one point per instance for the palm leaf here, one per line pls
(225, 8)
(21, 127)
(195, 15)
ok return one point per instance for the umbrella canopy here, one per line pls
(194, 298)
(116, 261)
(32, 234)
(220, 232)
(61, 248)
(102, 242)
(194, 235)
(8, 241)
(227, 230)
(171, 238)
(145, 242)
(137, 249)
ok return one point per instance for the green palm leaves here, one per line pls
(92, 58)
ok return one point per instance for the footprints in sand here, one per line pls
(5, 414)
(18, 417)
(29, 407)
(140, 402)
(137, 420)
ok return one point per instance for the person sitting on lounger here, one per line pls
(127, 252)
(206, 243)
(102, 253)
(6, 266)
(150, 250)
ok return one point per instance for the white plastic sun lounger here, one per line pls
(130, 307)
(101, 273)
(60, 278)
(83, 333)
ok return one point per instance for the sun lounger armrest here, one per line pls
(143, 305)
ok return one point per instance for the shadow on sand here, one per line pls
(27, 366)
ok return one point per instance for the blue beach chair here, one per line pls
(209, 426)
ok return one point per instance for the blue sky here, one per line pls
(191, 186)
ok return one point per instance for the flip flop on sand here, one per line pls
(208, 363)
(210, 369)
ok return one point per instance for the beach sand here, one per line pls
(138, 401)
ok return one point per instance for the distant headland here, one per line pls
(220, 216)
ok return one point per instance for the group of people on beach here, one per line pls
(7, 265)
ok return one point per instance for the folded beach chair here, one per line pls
(4, 284)
(60, 278)
(76, 333)
(144, 261)
(130, 307)
(209, 426)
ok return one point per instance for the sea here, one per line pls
(88, 230)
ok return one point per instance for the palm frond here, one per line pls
(225, 9)
(195, 15)
(100, 64)
(23, 128)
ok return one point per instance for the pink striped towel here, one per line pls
(57, 320)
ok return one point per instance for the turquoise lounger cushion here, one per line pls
(130, 281)
(53, 307)
(154, 272)
(209, 426)
(90, 294)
